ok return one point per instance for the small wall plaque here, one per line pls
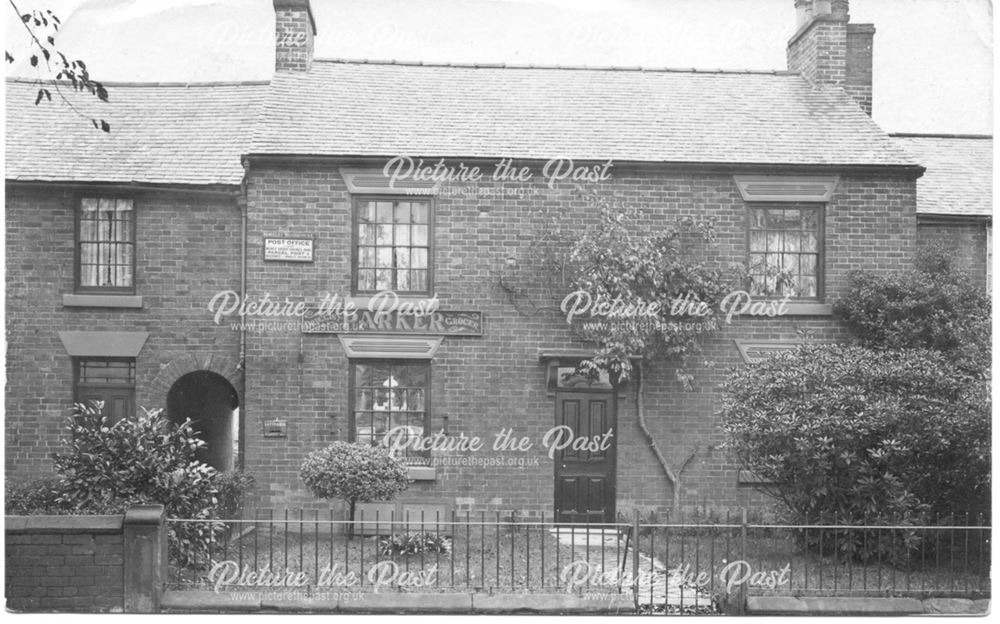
(288, 249)
(274, 428)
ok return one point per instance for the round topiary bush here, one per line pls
(354, 473)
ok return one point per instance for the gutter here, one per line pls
(241, 204)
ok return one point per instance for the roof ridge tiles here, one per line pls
(614, 68)
(936, 135)
(130, 83)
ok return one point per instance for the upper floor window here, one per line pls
(108, 380)
(392, 245)
(786, 250)
(106, 244)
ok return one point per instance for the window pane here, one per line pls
(366, 235)
(774, 241)
(419, 212)
(366, 257)
(403, 281)
(758, 241)
(810, 243)
(366, 279)
(808, 288)
(419, 235)
(383, 257)
(402, 235)
(402, 258)
(383, 235)
(383, 212)
(383, 279)
(418, 280)
(366, 212)
(418, 258)
(402, 212)
(808, 264)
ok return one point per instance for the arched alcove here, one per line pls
(211, 403)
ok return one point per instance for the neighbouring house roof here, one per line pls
(959, 176)
(191, 134)
(367, 108)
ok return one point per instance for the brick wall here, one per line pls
(482, 384)
(64, 563)
(293, 35)
(966, 240)
(819, 52)
(188, 248)
(858, 79)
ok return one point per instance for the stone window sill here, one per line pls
(809, 309)
(421, 473)
(102, 301)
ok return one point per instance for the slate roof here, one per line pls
(160, 133)
(959, 176)
(368, 108)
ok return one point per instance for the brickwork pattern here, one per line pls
(966, 240)
(188, 248)
(480, 385)
(66, 571)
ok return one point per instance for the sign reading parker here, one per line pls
(387, 313)
(438, 323)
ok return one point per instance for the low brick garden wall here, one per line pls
(66, 563)
(86, 563)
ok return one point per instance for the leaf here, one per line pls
(105, 126)
(10, 59)
(34, 60)
(26, 18)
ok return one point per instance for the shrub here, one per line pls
(846, 435)
(933, 307)
(233, 487)
(353, 472)
(37, 497)
(108, 467)
(413, 543)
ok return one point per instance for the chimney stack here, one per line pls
(294, 29)
(828, 50)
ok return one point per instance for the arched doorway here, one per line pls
(212, 405)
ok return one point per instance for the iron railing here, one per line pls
(686, 566)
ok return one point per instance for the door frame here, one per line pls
(612, 396)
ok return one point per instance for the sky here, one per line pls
(933, 67)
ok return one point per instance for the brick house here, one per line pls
(955, 196)
(117, 244)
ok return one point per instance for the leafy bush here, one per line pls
(848, 435)
(353, 472)
(29, 498)
(618, 256)
(413, 543)
(233, 487)
(935, 306)
(108, 467)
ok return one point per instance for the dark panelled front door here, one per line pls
(585, 469)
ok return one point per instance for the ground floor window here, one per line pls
(109, 380)
(390, 396)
